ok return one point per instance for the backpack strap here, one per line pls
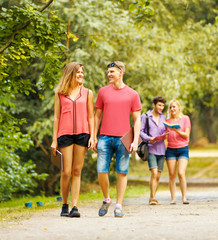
(147, 123)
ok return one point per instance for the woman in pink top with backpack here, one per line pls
(73, 131)
(177, 153)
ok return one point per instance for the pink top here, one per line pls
(174, 139)
(74, 114)
(117, 105)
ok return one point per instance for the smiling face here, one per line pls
(114, 75)
(174, 109)
(159, 107)
(79, 76)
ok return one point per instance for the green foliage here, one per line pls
(41, 38)
(142, 10)
(89, 172)
(16, 178)
(27, 36)
(165, 65)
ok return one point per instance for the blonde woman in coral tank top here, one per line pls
(73, 131)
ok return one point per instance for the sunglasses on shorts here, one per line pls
(112, 65)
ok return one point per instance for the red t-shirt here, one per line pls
(174, 139)
(117, 105)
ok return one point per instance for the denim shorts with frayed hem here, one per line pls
(107, 146)
(177, 153)
(156, 161)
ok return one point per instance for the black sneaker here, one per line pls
(74, 212)
(64, 211)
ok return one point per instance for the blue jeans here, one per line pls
(107, 146)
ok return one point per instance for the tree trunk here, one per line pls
(194, 127)
(209, 119)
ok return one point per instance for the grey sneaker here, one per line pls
(104, 208)
(118, 212)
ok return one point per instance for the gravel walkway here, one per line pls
(198, 220)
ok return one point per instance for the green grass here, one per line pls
(202, 149)
(206, 147)
(197, 164)
(140, 169)
(15, 210)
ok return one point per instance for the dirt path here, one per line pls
(198, 220)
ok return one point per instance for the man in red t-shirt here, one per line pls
(114, 105)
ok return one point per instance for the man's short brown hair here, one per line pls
(158, 99)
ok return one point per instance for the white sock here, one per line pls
(118, 206)
(107, 199)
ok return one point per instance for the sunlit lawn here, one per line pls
(196, 164)
(209, 147)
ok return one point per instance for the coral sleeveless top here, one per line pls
(74, 114)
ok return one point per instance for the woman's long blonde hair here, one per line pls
(180, 114)
(68, 76)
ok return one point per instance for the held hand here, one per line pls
(166, 134)
(91, 144)
(174, 129)
(152, 140)
(54, 147)
(95, 145)
(133, 147)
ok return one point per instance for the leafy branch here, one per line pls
(22, 27)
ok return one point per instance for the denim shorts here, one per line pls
(156, 161)
(107, 146)
(177, 153)
(79, 139)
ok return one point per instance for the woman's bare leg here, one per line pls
(66, 173)
(182, 165)
(78, 160)
(171, 164)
